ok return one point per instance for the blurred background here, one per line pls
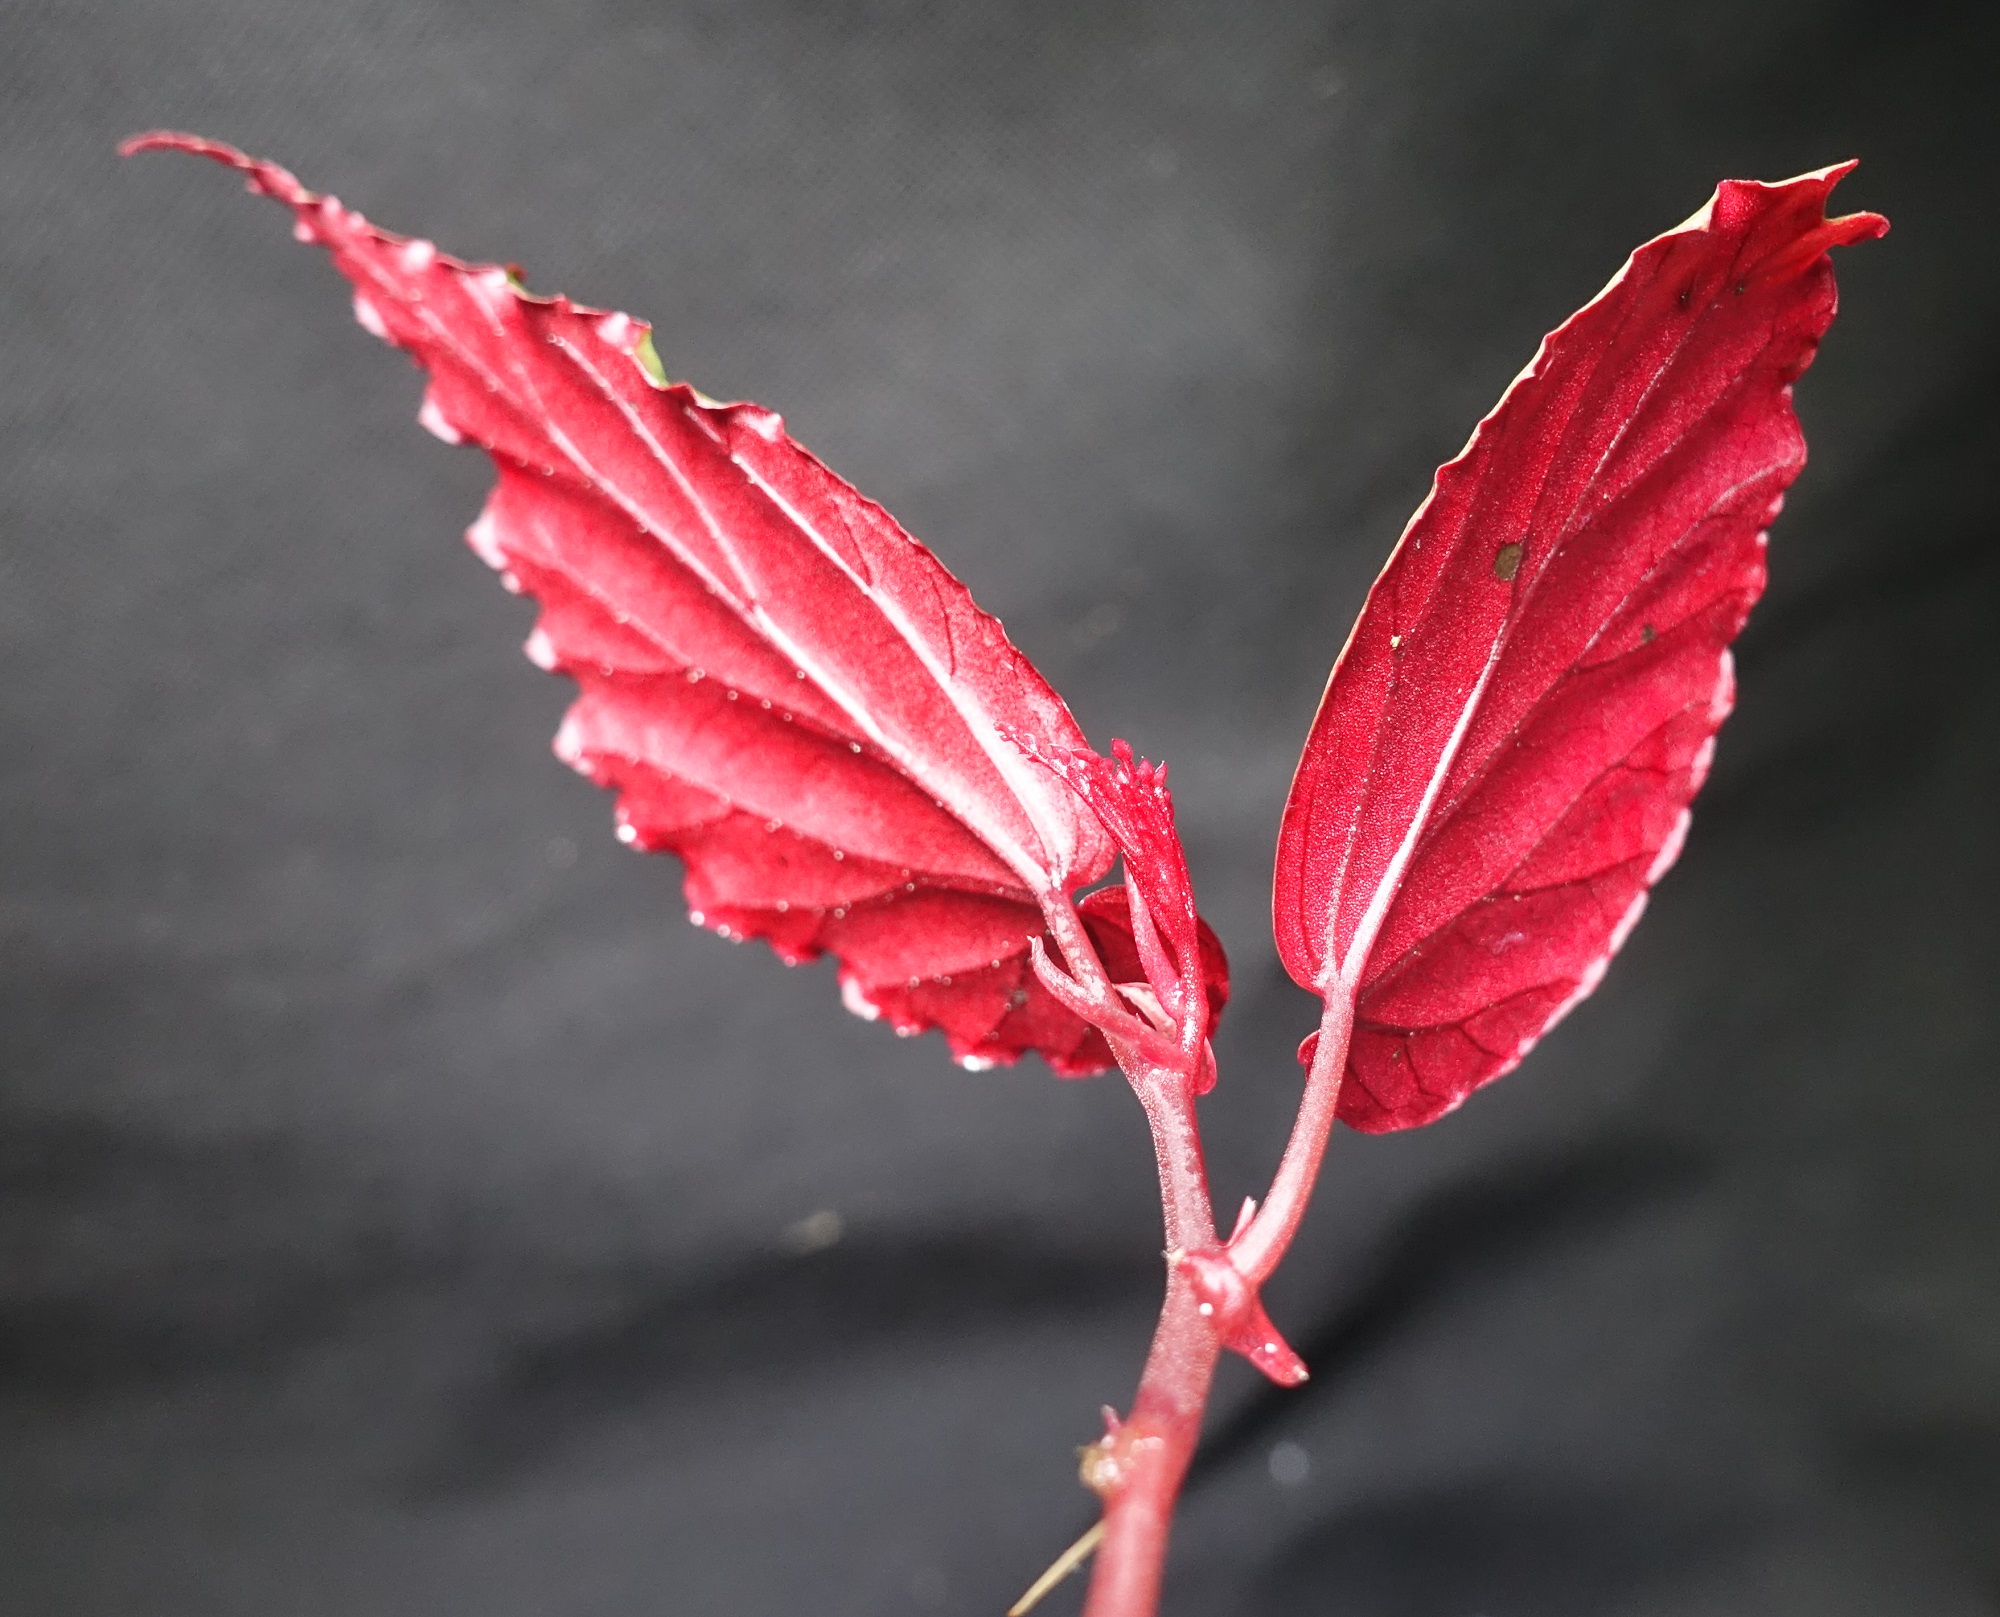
(404, 1210)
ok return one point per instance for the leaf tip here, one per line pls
(265, 177)
(166, 140)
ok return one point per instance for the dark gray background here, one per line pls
(396, 1186)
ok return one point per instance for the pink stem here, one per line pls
(1157, 1443)
(1258, 1249)
(1138, 1468)
(1160, 972)
(1146, 1458)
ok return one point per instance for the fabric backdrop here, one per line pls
(406, 1211)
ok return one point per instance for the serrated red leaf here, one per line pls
(1501, 765)
(783, 687)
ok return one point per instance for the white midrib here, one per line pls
(1012, 768)
(1385, 892)
(1392, 878)
(1034, 873)
(447, 339)
(1006, 759)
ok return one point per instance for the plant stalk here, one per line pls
(1260, 1247)
(1155, 1446)
(1138, 1467)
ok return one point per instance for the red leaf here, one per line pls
(1503, 759)
(784, 688)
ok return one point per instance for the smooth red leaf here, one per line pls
(783, 687)
(1501, 766)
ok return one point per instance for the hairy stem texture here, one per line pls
(1139, 1465)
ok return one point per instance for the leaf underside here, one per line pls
(1502, 763)
(783, 688)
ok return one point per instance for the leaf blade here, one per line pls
(1501, 765)
(784, 688)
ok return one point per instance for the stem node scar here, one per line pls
(1106, 1466)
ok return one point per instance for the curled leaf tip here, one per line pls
(265, 177)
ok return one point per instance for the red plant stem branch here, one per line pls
(1139, 1467)
(1258, 1250)
(1168, 1100)
(1079, 954)
(1148, 1456)
(1086, 989)
(1155, 1444)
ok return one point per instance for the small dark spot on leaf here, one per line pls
(1741, 287)
(1645, 634)
(1686, 293)
(1507, 563)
